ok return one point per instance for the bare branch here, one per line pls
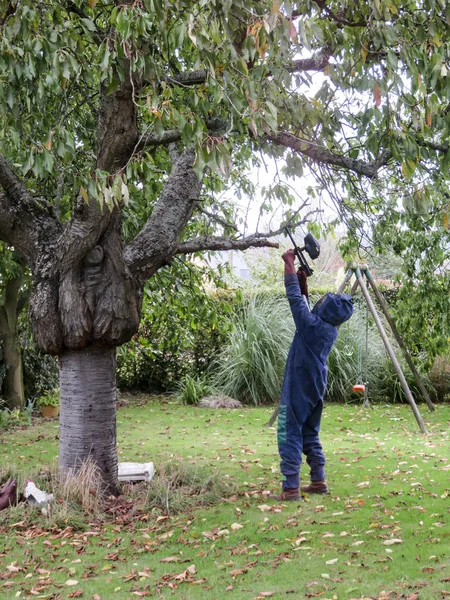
(219, 220)
(211, 242)
(255, 240)
(320, 154)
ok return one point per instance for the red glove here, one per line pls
(303, 281)
(289, 258)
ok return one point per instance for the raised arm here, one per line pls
(297, 301)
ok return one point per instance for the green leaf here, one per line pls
(90, 25)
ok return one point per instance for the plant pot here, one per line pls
(49, 411)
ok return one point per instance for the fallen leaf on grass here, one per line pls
(236, 572)
(169, 559)
(236, 526)
(185, 575)
(14, 569)
(264, 595)
(392, 541)
(264, 507)
(300, 541)
(71, 582)
(358, 501)
(333, 561)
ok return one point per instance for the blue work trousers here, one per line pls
(298, 432)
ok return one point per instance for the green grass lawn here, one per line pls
(383, 532)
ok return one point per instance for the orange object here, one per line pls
(359, 387)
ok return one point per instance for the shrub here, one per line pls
(40, 371)
(49, 398)
(9, 418)
(178, 336)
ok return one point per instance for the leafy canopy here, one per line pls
(354, 94)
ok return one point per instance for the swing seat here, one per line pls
(359, 387)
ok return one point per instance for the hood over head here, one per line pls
(334, 308)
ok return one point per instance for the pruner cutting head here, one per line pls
(311, 246)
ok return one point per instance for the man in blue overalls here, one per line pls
(305, 381)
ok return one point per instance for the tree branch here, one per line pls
(255, 240)
(339, 17)
(12, 184)
(6, 13)
(158, 241)
(211, 242)
(434, 146)
(315, 63)
(24, 222)
(117, 135)
(172, 136)
(219, 220)
(320, 154)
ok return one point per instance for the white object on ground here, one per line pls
(131, 471)
(34, 495)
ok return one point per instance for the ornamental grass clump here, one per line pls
(179, 487)
(193, 387)
(251, 365)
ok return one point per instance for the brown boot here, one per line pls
(315, 487)
(292, 495)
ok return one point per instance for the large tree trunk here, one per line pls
(13, 383)
(88, 411)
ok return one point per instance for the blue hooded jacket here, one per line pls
(306, 370)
